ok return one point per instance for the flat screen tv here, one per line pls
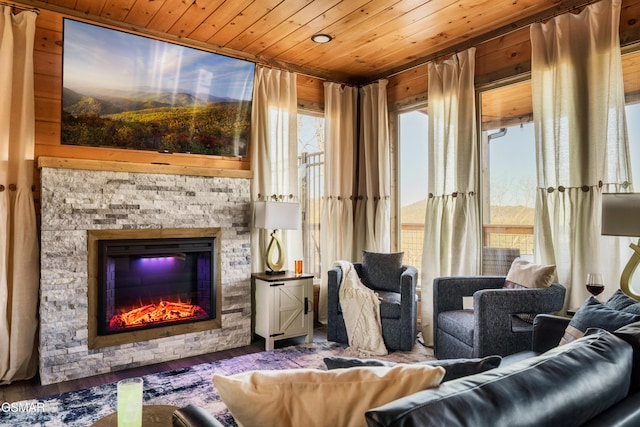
(123, 90)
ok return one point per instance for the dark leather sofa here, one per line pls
(592, 382)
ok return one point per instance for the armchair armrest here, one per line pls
(408, 282)
(334, 278)
(493, 309)
(514, 301)
(449, 291)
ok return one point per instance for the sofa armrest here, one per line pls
(547, 331)
(194, 416)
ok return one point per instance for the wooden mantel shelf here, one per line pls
(118, 166)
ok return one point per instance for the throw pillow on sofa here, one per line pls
(454, 368)
(594, 314)
(623, 302)
(312, 397)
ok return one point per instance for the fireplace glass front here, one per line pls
(145, 284)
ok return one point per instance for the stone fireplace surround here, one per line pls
(77, 196)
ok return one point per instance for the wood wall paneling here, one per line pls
(499, 58)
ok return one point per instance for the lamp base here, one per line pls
(274, 273)
(625, 278)
(275, 245)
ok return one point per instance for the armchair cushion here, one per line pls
(594, 314)
(382, 271)
(390, 304)
(529, 275)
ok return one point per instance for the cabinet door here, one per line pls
(289, 317)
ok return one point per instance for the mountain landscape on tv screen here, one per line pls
(159, 121)
(128, 91)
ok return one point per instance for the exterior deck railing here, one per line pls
(501, 236)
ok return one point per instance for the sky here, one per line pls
(97, 57)
(512, 158)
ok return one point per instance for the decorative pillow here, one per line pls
(454, 368)
(623, 302)
(524, 274)
(594, 314)
(312, 397)
(382, 270)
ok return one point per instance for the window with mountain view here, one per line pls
(412, 188)
(508, 168)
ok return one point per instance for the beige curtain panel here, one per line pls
(582, 147)
(274, 155)
(373, 205)
(336, 232)
(19, 266)
(452, 229)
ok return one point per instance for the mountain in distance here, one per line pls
(103, 102)
(511, 215)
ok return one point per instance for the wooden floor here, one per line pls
(31, 389)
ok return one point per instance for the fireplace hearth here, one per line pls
(151, 283)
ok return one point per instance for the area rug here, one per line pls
(178, 387)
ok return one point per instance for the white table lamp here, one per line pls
(621, 217)
(273, 215)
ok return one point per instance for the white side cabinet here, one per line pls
(283, 306)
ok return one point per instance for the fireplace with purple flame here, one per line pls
(160, 283)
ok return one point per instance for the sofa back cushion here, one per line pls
(454, 368)
(545, 390)
(631, 334)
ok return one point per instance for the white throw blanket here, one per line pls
(361, 312)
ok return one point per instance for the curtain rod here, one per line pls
(17, 6)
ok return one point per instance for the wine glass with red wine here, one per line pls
(595, 285)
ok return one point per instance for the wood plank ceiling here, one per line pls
(371, 38)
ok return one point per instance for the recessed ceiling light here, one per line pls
(321, 38)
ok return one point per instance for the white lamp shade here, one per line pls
(621, 214)
(276, 215)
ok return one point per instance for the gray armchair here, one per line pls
(495, 325)
(398, 307)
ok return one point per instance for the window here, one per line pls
(508, 168)
(311, 179)
(632, 93)
(412, 188)
(631, 75)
